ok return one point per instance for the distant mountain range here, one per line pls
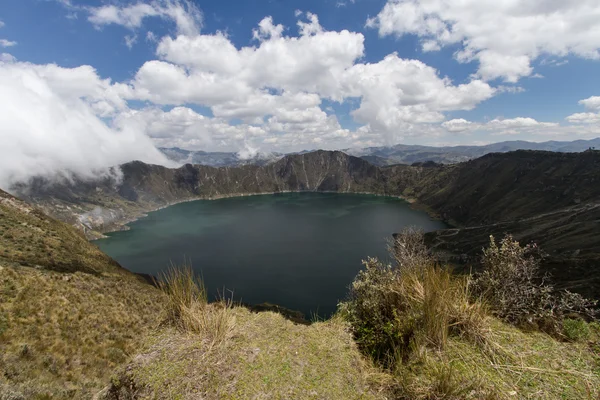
(409, 154)
(386, 155)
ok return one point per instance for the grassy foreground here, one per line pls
(217, 351)
(268, 357)
(263, 356)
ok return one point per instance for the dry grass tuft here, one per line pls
(183, 289)
(188, 308)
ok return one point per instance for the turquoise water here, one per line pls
(298, 250)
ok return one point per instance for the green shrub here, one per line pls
(516, 291)
(395, 310)
(576, 329)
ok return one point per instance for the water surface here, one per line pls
(298, 250)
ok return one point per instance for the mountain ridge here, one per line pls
(384, 155)
(557, 192)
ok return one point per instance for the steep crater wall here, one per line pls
(550, 198)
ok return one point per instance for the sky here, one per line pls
(87, 84)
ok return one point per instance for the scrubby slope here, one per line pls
(69, 314)
(29, 237)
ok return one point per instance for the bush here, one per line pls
(514, 288)
(395, 310)
(576, 329)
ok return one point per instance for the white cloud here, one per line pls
(584, 118)
(7, 58)
(502, 126)
(184, 13)
(274, 90)
(285, 130)
(151, 37)
(312, 62)
(591, 103)
(553, 62)
(503, 36)
(519, 122)
(130, 40)
(458, 125)
(396, 91)
(266, 29)
(292, 74)
(7, 43)
(67, 133)
(510, 89)
(2, 24)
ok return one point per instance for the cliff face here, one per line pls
(550, 198)
(106, 204)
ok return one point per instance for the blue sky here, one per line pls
(221, 75)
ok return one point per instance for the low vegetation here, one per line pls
(62, 335)
(513, 286)
(221, 351)
(437, 336)
(69, 315)
(187, 306)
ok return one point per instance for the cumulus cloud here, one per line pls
(185, 14)
(7, 43)
(396, 92)
(51, 122)
(519, 122)
(284, 78)
(584, 118)
(266, 96)
(592, 104)
(458, 125)
(7, 58)
(504, 37)
(502, 126)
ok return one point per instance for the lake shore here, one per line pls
(122, 225)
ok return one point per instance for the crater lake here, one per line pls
(297, 250)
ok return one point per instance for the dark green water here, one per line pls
(298, 250)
